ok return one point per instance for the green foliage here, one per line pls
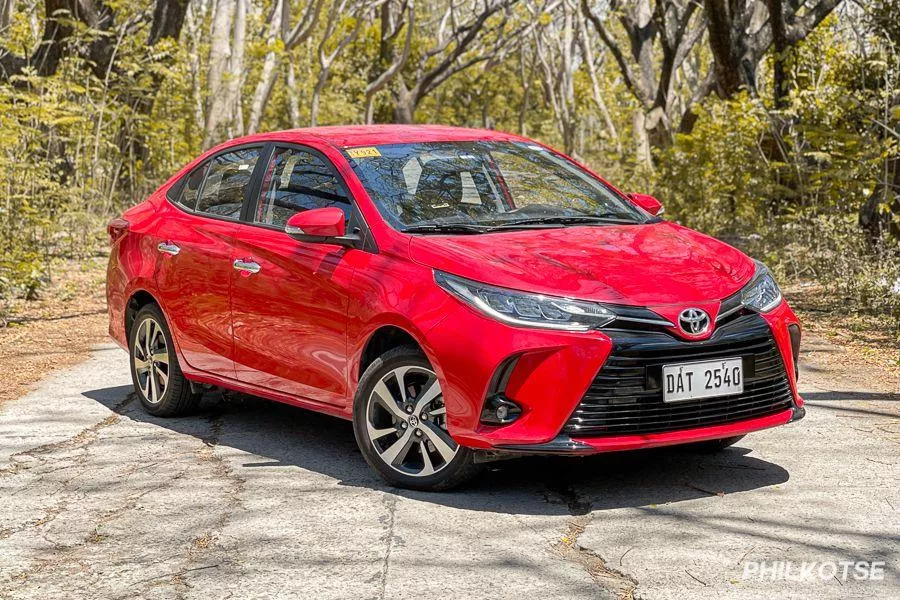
(789, 186)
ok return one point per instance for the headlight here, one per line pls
(529, 310)
(762, 293)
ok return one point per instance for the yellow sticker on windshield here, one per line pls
(363, 152)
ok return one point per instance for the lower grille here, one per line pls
(626, 396)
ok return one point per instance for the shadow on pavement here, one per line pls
(836, 396)
(280, 435)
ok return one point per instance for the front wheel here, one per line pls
(401, 424)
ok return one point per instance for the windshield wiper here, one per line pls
(447, 228)
(562, 220)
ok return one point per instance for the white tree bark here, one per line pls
(326, 59)
(525, 77)
(555, 47)
(269, 68)
(292, 38)
(293, 100)
(7, 7)
(236, 74)
(596, 92)
(217, 111)
(193, 19)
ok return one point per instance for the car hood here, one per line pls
(651, 265)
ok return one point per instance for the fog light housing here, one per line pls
(499, 410)
(794, 332)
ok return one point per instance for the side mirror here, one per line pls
(320, 225)
(648, 203)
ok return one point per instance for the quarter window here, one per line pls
(191, 187)
(298, 180)
(226, 183)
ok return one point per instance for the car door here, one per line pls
(290, 298)
(194, 272)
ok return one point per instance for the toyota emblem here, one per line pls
(693, 321)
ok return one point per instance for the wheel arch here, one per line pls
(136, 301)
(384, 338)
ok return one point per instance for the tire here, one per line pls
(158, 381)
(713, 446)
(408, 449)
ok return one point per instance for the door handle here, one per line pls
(249, 267)
(167, 248)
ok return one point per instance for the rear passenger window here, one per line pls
(189, 189)
(226, 183)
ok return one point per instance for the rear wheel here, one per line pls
(712, 446)
(158, 381)
(401, 424)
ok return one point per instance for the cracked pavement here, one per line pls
(253, 499)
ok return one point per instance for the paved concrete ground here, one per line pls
(252, 499)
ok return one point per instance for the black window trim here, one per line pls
(252, 186)
(252, 203)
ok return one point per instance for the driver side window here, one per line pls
(298, 180)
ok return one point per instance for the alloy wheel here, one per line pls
(406, 422)
(151, 360)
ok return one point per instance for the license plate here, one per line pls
(690, 381)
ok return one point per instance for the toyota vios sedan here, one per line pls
(461, 295)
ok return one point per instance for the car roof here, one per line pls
(348, 136)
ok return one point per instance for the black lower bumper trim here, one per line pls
(561, 444)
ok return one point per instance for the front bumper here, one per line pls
(563, 444)
(553, 371)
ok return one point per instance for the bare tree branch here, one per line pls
(631, 82)
(390, 29)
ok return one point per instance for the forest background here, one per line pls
(772, 124)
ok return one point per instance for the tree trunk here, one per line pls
(193, 24)
(314, 103)
(404, 105)
(60, 17)
(728, 52)
(526, 90)
(7, 7)
(269, 69)
(293, 101)
(388, 57)
(168, 18)
(779, 39)
(737, 46)
(641, 138)
(219, 53)
(596, 92)
(326, 59)
(46, 56)
(236, 71)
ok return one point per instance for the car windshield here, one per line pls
(473, 187)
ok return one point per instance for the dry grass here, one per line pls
(870, 347)
(56, 330)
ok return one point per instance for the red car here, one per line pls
(459, 294)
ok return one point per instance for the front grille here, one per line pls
(626, 395)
